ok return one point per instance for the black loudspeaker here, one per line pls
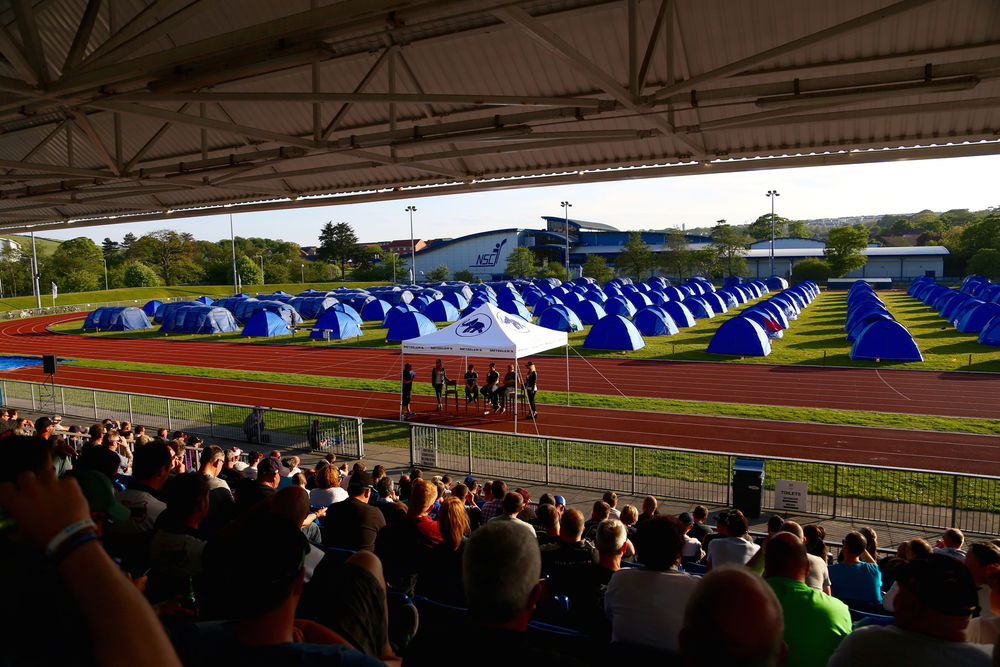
(49, 364)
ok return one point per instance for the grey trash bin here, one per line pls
(748, 486)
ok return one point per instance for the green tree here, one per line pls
(110, 248)
(730, 247)
(810, 269)
(985, 262)
(553, 270)
(127, 241)
(676, 261)
(797, 228)
(441, 273)
(596, 267)
(395, 268)
(760, 228)
(249, 271)
(337, 243)
(137, 274)
(464, 275)
(75, 266)
(315, 272)
(171, 254)
(521, 263)
(843, 249)
(636, 258)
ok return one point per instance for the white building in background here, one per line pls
(10, 246)
(883, 262)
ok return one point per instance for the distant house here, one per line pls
(10, 246)
(401, 246)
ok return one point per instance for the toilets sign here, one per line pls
(789, 495)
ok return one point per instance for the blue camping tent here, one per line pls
(741, 336)
(680, 313)
(150, 307)
(717, 302)
(560, 318)
(977, 317)
(311, 307)
(205, 300)
(990, 335)
(545, 302)
(699, 307)
(767, 322)
(588, 311)
(375, 311)
(441, 311)
(100, 318)
(614, 332)
(395, 312)
(516, 308)
(619, 305)
(654, 321)
(208, 320)
(164, 310)
(409, 325)
(456, 299)
(347, 310)
(639, 300)
(864, 320)
(335, 325)
(264, 324)
(117, 318)
(776, 283)
(886, 340)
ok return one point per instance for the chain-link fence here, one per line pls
(85, 307)
(287, 429)
(838, 490)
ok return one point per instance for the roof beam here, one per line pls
(82, 38)
(197, 121)
(21, 165)
(80, 118)
(666, 9)
(405, 162)
(370, 98)
(18, 59)
(152, 141)
(789, 47)
(365, 80)
(30, 39)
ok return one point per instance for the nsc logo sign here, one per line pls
(489, 259)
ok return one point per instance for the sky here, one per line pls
(904, 186)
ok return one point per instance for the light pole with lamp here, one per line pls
(232, 237)
(772, 195)
(302, 272)
(413, 252)
(566, 206)
(105, 274)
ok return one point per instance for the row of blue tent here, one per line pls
(973, 308)
(117, 318)
(875, 333)
(749, 334)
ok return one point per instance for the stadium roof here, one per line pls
(146, 109)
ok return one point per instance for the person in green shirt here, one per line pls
(815, 623)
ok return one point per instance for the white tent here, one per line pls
(489, 331)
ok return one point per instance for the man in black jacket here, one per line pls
(353, 523)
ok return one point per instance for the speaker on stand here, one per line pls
(49, 368)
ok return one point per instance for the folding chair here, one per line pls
(450, 389)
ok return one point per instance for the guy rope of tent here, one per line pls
(492, 332)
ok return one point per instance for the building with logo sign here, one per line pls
(485, 254)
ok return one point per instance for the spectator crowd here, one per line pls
(126, 547)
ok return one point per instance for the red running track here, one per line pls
(914, 392)
(953, 452)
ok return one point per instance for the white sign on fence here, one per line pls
(789, 495)
(428, 457)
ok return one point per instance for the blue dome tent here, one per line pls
(885, 340)
(167, 308)
(375, 311)
(990, 335)
(657, 297)
(588, 311)
(208, 320)
(409, 325)
(150, 307)
(516, 308)
(717, 302)
(456, 299)
(441, 311)
(699, 308)
(619, 305)
(776, 313)
(654, 321)
(560, 318)
(770, 325)
(977, 317)
(118, 318)
(776, 283)
(396, 312)
(730, 298)
(853, 316)
(335, 325)
(866, 319)
(205, 300)
(173, 319)
(740, 336)
(545, 302)
(679, 312)
(347, 310)
(639, 300)
(954, 306)
(311, 307)
(265, 324)
(613, 332)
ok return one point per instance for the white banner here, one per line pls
(55, 291)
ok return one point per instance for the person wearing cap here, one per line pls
(353, 523)
(531, 388)
(935, 602)
(491, 389)
(815, 623)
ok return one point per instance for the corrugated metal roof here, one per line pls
(484, 94)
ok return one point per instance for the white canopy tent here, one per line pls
(488, 331)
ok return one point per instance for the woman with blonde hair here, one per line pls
(443, 576)
(328, 490)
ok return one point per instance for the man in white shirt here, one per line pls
(692, 552)
(735, 546)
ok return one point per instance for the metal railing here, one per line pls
(84, 307)
(837, 490)
(903, 496)
(280, 429)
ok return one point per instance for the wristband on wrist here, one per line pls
(66, 533)
(72, 544)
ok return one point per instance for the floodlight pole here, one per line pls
(772, 195)
(105, 274)
(232, 237)
(566, 206)
(34, 274)
(413, 251)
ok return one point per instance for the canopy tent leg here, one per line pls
(567, 373)
(517, 384)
